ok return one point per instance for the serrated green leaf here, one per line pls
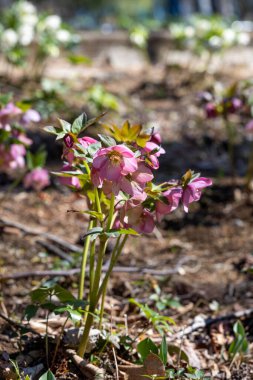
(60, 135)
(95, 215)
(107, 140)
(64, 295)
(66, 126)
(78, 123)
(52, 130)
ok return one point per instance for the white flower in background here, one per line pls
(203, 26)
(52, 22)
(53, 51)
(29, 19)
(9, 38)
(243, 38)
(189, 31)
(26, 35)
(215, 42)
(63, 36)
(229, 36)
(25, 7)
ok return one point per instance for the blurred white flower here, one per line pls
(215, 42)
(29, 19)
(53, 51)
(52, 22)
(189, 31)
(229, 36)
(243, 38)
(9, 38)
(63, 36)
(26, 35)
(25, 7)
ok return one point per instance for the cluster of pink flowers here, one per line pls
(14, 145)
(124, 169)
(215, 107)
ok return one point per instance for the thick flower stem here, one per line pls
(85, 338)
(84, 261)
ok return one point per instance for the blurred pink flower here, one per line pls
(156, 138)
(30, 116)
(211, 110)
(137, 217)
(70, 181)
(249, 126)
(192, 192)
(172, 199)
(37, 179)
(152, 151)
(7, 113)
(112, 163)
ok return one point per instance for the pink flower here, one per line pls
(68, 153)
(37, 179)
(133, 184)
(30, 116)
(112, 163)
(235, 105)
(211, 110)
(192, 192)
(70, 181)
(170, 203)
(7, 113)
(156, 138)
(249, 126)
(137, 217)
(152, 151)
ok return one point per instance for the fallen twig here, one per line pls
(117, 269)
(204, 323)
(88, 370)
(55, 250)
(31, 231)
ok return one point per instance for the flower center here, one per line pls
(115, 158)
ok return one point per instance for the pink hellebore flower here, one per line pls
(156, 138)
(134, 184)
(138, 218)
(30, 116)
(153, 151)
(249, 126)
(112, 164)
(14, 158)
(211, 110)
(7, 113)
(69, 181)
(235, 105)
(192, 191)
(37, 179)
(68, 153)
(173, 197)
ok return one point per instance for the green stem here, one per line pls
(114, 259)
(85, 338)
(97, 201)
(84, 262)
(105, 286)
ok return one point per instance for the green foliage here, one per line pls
(240, 344)
(101, 100)
(68, 304)
(47, 376)
(159, 322)
(36, 160)
(163, 302)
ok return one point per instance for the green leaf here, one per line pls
(47, 376)
(107, 140)
(40, 295)
(52, 130)
(61, 135)
(64, 295)
(93, 148)
(145, 347)
(94, 231)
(76, 59)
(78, 123)
(66, 126)
(30, 312)
(163, 352)
(95, 215)
(121, 231)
